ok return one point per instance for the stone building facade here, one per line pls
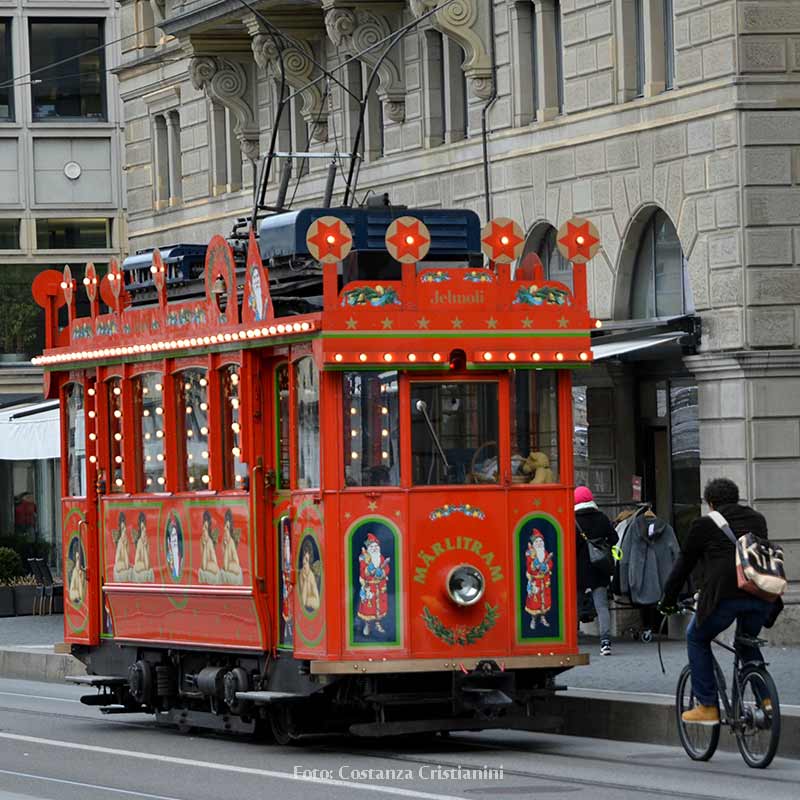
(672, 124)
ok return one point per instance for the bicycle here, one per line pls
(752, 711)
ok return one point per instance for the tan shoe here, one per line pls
(701, 715)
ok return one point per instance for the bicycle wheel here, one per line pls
(699, 741)
(757, 714)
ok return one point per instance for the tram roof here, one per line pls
(488, 317)
(455, 233)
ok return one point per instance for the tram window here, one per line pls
(115, 434)
(282, 401)
(76, 441)
(149, 396)
(454, 433)
(371, 451)
(306, 384)
(534, 426)
(192, 387)
(234, 469)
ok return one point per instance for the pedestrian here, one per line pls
(721, 601)
(591, 524)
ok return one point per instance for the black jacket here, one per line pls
(595, 524)
(708, 546)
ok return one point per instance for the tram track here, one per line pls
(447, 761)
(595, 783)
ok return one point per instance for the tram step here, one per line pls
(96, 680)
(266, 697)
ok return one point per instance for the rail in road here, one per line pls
(51, 746)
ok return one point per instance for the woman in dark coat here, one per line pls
(592, 523)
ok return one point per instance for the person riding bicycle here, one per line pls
(721, 601)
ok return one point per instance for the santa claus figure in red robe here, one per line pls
(538, 570)
(373, 570)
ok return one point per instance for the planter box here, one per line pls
(6, 601)
(24, 597)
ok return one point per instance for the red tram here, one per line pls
(356, 518)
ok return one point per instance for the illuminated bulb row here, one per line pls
(437, 357)
(175, 344)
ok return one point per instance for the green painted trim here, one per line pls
(311, 642)
(519, 617)
(398, 582)
(434, 334)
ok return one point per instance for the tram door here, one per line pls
(80, 542)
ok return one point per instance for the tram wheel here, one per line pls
(280, 725)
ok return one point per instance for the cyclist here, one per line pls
(721, 601)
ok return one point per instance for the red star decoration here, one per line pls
(408, 240)
(329, 240)
(503, 241)
(579, 241)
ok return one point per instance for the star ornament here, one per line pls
(578, 240)
(408, 240)
(501, 240)
(329, 240)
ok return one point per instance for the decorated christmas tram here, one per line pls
(323, 481)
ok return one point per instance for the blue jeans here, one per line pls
(751, 612)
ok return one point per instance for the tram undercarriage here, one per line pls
(246, 694)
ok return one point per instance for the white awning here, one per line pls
(30, 432)
(614, 349)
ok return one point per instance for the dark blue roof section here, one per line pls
(454, 232)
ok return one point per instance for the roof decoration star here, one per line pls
(578, 240)
(527, 322)
(387, 323)
(501, 240)
(422, 322)
(330, 240)
(456, 322)
(351, 324)
(409, 241)
(563, 322)
(491, 323)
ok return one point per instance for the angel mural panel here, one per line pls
(76, 572)
(123, 568)
(309, 576)
(142, 571)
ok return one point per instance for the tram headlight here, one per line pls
(465, 585)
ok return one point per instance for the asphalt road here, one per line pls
(53, 747)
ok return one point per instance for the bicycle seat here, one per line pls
(743, 640)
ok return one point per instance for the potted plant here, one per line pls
(10, 571)
(19, 317)
(25, 591)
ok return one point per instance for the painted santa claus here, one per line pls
(538, 570)
(373, 568)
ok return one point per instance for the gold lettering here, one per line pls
(422, 574)
(425, 557)
(476, 547)
(466, 540)
(497, 573)
(488, 558)
(437, 549)
(448, 545)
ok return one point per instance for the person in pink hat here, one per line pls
(591, 524)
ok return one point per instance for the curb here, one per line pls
(647, 719)
(37, 665)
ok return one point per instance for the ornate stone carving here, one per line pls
(225, 81)
(465, 22)
(299, 69)
(353, 30)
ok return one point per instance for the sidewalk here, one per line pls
(27, 649)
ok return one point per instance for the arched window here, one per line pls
(542, 241)
(660, 280)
